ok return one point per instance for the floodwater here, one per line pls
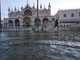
(62, 45)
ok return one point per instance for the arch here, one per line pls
(37, 22)
(26, 22)
(28, 13)
(53, 22)
(64, 25)
(17, 22)
(72, 15)
(61, 25)
(10, 23)
(64, 15)
(53, 18)
(67, 25)
(45, 21)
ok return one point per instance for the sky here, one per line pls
(55, 5)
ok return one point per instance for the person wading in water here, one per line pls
(56, 24)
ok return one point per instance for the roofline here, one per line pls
(68, 9)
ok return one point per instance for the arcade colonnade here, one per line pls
(29, 23)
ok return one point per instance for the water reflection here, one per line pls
(31, 36)
(40, 45)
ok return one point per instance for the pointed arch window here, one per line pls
(79, 14)
(64, 15)
(28, 13)
(72, 15)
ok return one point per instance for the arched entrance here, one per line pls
(26, 22)
(17, 23)
(53, 22)
(37, 22)
(10, 23)
(45, 22)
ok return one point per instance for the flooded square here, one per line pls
(63, 45)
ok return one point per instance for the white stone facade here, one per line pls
(69, 19)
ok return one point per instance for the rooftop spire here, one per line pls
(49, 5)
(33, 6)
(27, 3)
(9, 9)
(15, 9)
(21, 7)
(41, 6)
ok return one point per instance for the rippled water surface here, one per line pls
(62, 45)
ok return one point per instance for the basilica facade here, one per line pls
(26, 18)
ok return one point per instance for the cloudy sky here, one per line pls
(55, 5)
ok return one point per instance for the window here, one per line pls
(61, 25)
(77, 22)
(70, 22)
(64, 15)
(53, 19)
(79, 14)
(72, 15)
(28, 12)
(67, 25)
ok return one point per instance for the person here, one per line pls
(56, 24)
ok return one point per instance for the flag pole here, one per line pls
(37, 7)
(0, 16)
(37, 15)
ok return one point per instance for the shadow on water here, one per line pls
(58, 45)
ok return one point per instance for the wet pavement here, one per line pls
(62, 45)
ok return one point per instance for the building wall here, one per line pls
(68, 22)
